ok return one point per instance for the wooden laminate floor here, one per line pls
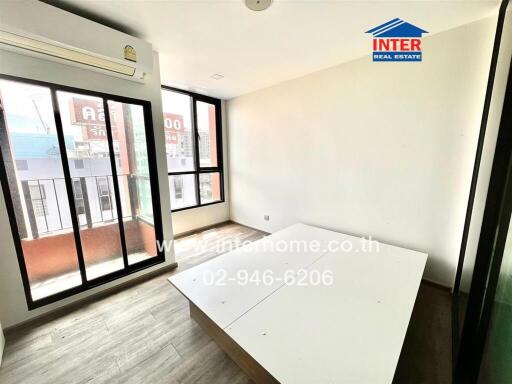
(144, 335)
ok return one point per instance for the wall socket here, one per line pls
(266, 217)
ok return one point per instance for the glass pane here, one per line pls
(30, 149)
(496, 367)
(209, 187)
(131, 152)
(207, 130)
(84, 127)
(183, 191)
(179, 142)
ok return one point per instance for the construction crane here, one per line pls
(45, 126)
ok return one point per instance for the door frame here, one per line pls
(493, 236)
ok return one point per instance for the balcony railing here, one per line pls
(47, 204)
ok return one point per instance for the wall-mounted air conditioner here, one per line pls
(41, 30)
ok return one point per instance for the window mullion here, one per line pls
(181, 173)
(218, 132)
(196, 148)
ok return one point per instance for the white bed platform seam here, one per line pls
(349, 332)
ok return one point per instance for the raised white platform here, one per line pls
(349, 332)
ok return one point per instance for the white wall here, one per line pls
(380, 149)
(191, 219)
(13, 307)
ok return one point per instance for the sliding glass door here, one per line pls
(497, 355)
(35, 177)
(133, 174)
(79, 179)
(483, 299)
(96, 208)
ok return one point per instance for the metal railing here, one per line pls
(47, 203)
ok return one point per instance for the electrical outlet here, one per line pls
(266, 217)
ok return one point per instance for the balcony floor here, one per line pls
(69, 280)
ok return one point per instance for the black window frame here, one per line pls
(194, 98)
(128, 269)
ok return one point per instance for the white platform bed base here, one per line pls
(350, 331)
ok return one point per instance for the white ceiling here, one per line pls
(254, 50)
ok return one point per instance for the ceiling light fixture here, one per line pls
(258, 5)
(217, 76)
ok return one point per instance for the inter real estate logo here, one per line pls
(397, 40)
